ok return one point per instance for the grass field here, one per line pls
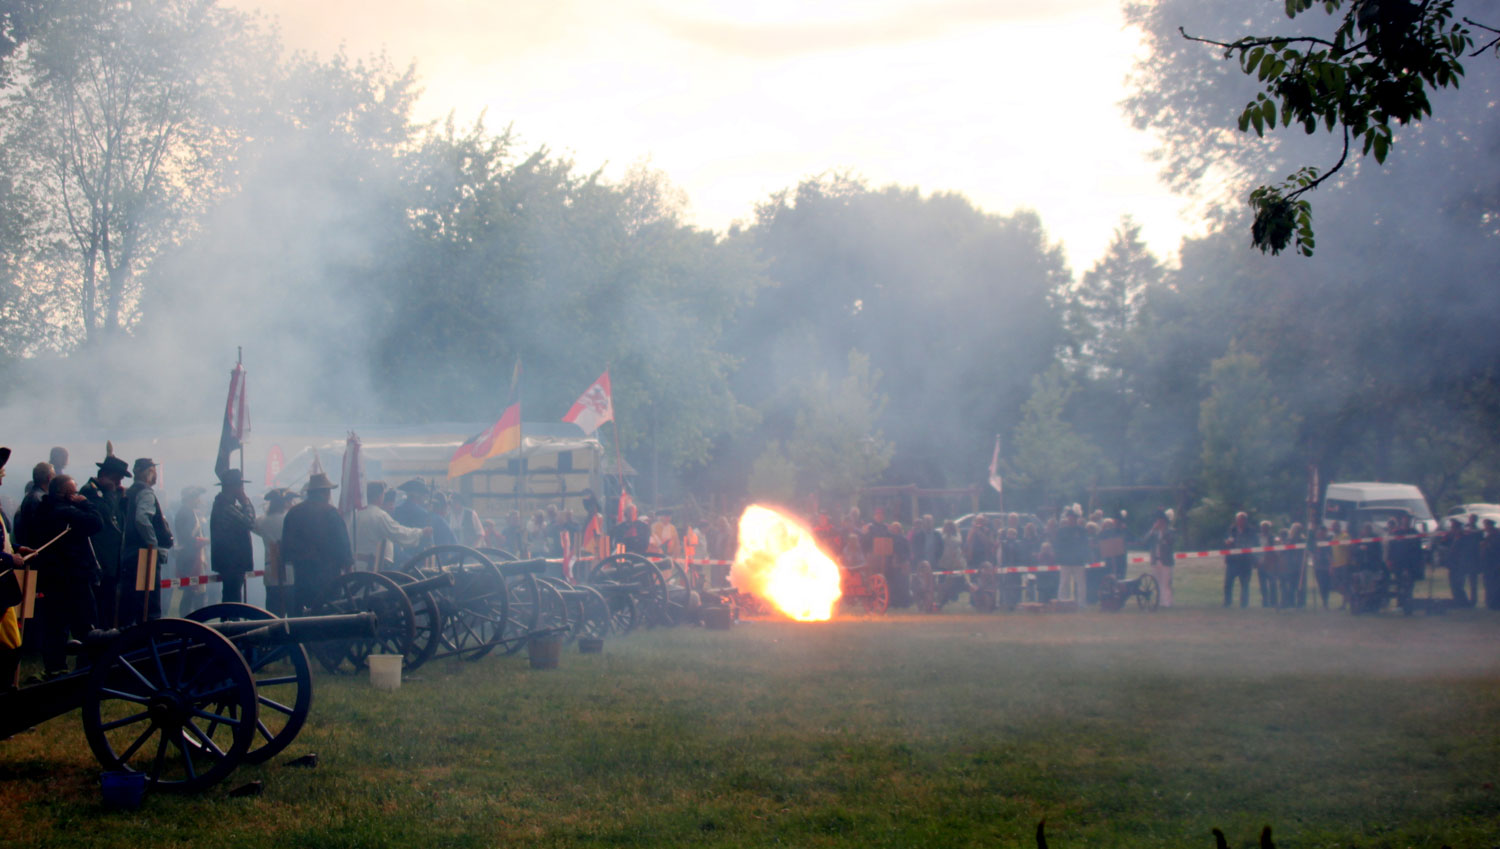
(961, 729)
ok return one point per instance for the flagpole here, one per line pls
(239, 360)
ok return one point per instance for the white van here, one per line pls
(1353, 504)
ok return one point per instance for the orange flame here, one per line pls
(779, 561)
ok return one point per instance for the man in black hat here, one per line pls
(105, 492)
(229, 525)
(146, 529)
(315, 543)
(66, 571)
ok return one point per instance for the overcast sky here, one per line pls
(1013, 104)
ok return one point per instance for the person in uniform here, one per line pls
(230, 523)
(377, 536)
(146, 529)
(315, 543)
(664, 538)
(632, 534)
(67, 573)
(105, 491)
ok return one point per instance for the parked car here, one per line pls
(1353, 504)
(1484, 511)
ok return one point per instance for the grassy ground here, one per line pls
(1131, 729)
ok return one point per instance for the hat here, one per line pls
(413, 487)
(191, 492)
(142, 464)
(113, 465)
(279, 495)
(232, 477)
(320, 481)
(4, 457)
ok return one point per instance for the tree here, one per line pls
(120, 133)
(1248, 434)
(1051, 460)
(1100, 310)
(1372, 73)
(836, 446)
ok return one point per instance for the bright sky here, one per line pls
(1010, 102)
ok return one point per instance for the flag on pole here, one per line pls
(352, 479)
(594, 407)
(995, 466)
(515, 384)
(502, 436)
(236, 420)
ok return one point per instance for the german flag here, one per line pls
(500, 437)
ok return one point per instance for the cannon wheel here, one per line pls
(524, 597)
(552, 609)
(588, 611)
(427, 623)
(877, 598)
(647, 584)
(373, 592)
(156, 704)
(679, 594)
(283, 681)
(624, 613)
(1148, 594)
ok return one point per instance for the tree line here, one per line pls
(173, 182)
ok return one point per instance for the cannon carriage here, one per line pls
(186, 701)
(1114, 593)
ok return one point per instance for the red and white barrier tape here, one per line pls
(1223, 552)
(200, 580)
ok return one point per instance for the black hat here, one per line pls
(4, 457)
(113, 465)
(280, 495)
(232, 477)
(414, 487)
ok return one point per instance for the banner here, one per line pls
(594, 407)
(352, 478)
(236, 420)
(995, 466)
(502, 436)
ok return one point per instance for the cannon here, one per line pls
(401, 630)
(642, 592)
(181, 700)
(864, 588)
(1114, 593)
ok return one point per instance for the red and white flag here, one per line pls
(352, 478)
(236, 420)
(594, 407)
(995, 466)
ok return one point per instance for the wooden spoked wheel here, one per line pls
(173, 699)
(368, 592)
(283, 681)
(1148, 593)
(427, 621)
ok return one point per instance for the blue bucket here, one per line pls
(123, 789)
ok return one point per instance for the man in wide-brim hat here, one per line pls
(106, 492)
(230, 522)
(315, 543)
(146, 529)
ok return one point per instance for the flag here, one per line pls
(352, 479)
(502, 436)
(236, 420)
(275, 462)
(594, 407)
(995, 466)
(515, 384)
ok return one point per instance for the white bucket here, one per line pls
(385, 671)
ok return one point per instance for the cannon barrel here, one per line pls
(304, 629)
(440, 581)
(534, 566)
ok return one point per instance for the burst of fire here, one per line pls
(779, 561)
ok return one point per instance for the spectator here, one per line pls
(1162, 543)
(1237, 567)
(190, 557)
(924, 588)
(1268, 566)
(279, 578)
(464, 522)
(633, 535)
(36, 491)
(1072, 550)
(664, 537)
(1323, 555)
(1293, 581)
(513, 535)
(1112, 548)
(954, 583)
(1489, 548)
(898, 570)
(58, 459)
(1340, 560)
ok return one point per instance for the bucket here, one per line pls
(123, 788)
(718, 618)
(590, 645)
(385, 671)
(544, 651)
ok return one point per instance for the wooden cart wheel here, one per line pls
(373, 592)
(594, 612)
(1148, 594)
(624, 613)
(552, 611)
(524, 603)
(427, 623)
(878, 593)
(283, 681)
(640, 575)
(173, 699)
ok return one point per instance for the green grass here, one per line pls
(1132, 729)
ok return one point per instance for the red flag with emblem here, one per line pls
(594, 407)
